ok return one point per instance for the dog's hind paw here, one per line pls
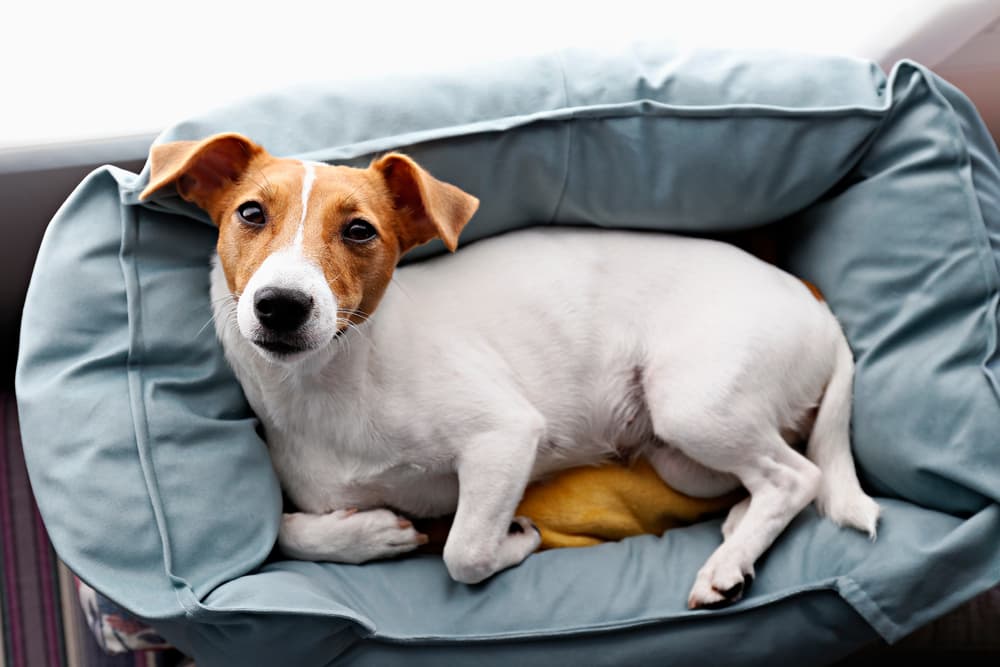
(718, 585)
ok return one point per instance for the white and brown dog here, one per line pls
(481, 371)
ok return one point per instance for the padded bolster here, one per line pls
(643, 138)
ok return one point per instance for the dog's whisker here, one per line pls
(204, 326)
(401, 288)
(353, 327)
(351, 201)
(354, 311)
(267, 189)
(222, 299)
(347, 319)
(343, 340)
(346, 315)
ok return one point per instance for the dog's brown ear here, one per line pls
(199, 168)
(430, 208)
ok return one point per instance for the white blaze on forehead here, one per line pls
(307, 184)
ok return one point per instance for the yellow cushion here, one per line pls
(586, 506)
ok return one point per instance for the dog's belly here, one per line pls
(429, 495)
(433, 496)
(415, 494)
(607, 421)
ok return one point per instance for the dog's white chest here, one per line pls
(327, 457)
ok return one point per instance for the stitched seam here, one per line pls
(870, 610)
(633, 108)
(137, 406)
(570, 125)
(977, 222)
(749, 605)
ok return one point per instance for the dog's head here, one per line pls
(307, 249)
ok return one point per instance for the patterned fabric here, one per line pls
(114, 627)
(42, 623)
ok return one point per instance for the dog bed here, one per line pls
(882, 191)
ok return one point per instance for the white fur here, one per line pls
(546, 349)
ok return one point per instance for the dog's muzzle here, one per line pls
(281, 312)
(287, 308)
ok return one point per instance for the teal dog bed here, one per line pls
(883, 191)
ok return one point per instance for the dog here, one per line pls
(451, 384)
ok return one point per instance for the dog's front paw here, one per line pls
(347, 536)
(472, 563)
(719, 583)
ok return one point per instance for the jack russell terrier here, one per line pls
(520, 356)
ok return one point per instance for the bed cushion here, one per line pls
(157, 489)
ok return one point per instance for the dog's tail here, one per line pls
(840, 496)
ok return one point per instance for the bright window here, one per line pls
(83, 70)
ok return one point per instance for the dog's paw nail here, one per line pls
(704, 600)
(521, 524)
(405, 523)
(422, 539)
(350, 510)
(734, 592)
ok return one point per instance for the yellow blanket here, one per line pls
(586, 506)
(582, 507)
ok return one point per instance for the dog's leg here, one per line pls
(733, 435)
(688, 476)
(695, 480)
(780, 486)
(493, 471)
(734, 517)
(347, 536)
(781, 483)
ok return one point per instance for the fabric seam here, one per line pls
(570, 127)
(855, 595)
(828, 584)
(137, 403)
(977, 222)
(642, 107)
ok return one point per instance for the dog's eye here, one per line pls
(358, 231)
(251, 213)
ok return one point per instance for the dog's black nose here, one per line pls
(280, 309)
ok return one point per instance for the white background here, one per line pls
(81, 70)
